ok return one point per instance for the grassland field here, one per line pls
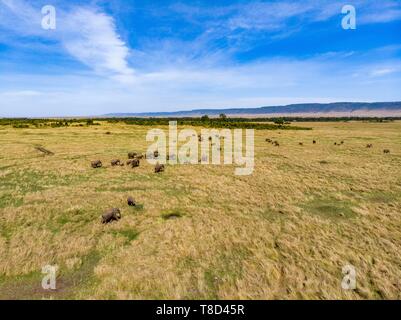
(284, 232)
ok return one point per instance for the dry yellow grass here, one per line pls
(284, 232)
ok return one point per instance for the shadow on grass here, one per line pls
(172, 214)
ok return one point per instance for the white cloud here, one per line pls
(88, 35)
(383, 72)
(22, 93)
(91, 37)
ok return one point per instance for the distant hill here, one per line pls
(376, 109)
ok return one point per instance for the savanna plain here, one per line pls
(199, 231)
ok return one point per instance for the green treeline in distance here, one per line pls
(282, 123)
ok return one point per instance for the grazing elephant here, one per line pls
(386, 151)
(96, 164)
(159, 168)
(135, 163)
(131, 201)
(115, 162)
(111, 215)
(132, 155)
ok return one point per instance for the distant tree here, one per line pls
(279, 121)
(205, 117)
(222, 116)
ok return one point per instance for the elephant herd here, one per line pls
(369, 146)
(133, 161)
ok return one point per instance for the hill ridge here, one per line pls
(302, 108)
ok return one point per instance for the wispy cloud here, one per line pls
(383, 72)
(23, 93)
(267, 16)
(285, 17)
(381, 16)
(91, 37)
(87, 34)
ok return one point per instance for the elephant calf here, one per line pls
(131, 201)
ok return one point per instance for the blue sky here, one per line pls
(161, 55)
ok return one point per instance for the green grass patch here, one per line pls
(383, 197)
(10, 200)
(5, 231)
(330, 208)
(227, 269)
(63, 220)
(26, 181)
(272, 215)
(77, 218)
(177, 191)
(129, 234)
(68, 283)
(7, 167)
(138, 207)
